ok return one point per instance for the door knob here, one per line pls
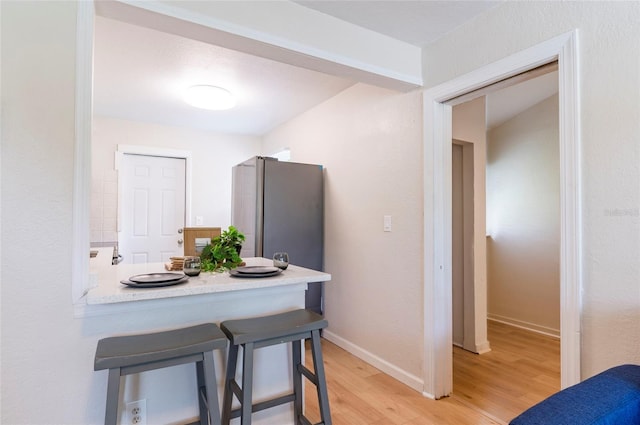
(179, 231)
(180, 241)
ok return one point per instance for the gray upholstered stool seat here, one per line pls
(125, 355)
(258, 332)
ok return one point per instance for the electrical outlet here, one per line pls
(136, 413)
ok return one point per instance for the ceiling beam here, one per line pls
(293, 34)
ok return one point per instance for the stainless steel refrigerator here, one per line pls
(279, 206)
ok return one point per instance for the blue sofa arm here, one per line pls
(609, 398)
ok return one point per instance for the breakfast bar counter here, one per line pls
(209, 297)
(109, 289)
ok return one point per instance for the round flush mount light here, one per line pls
(209, 97)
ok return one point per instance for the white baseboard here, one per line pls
(375, 361)
(483, 347)
(525, 325)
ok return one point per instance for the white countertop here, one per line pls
(109, 290)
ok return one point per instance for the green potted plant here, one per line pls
(230, 237)
(224, 251)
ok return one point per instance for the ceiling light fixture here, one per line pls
(209, 97)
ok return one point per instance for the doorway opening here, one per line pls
(438, 239)
(516, 253)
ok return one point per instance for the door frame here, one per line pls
(438, 362)
(162, 152)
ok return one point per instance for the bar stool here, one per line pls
(261, 332)
(125, 355)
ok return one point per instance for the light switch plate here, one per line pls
(387, 223)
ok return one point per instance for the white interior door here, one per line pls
(152, 208)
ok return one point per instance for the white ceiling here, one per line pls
(510, 101)
(140, 73)
(417, 22)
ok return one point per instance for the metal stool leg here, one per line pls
(247, 383)
(113, 391)
(207, 391)
(323, 395)
(230, 376)
(203, 395)
(211, 385)
(297, 381)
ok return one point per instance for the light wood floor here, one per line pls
(522, 369)
(360, 394)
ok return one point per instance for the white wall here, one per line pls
(370, 141)
(213, 155)
(523, 215)
(609, 38)
(44, 350)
